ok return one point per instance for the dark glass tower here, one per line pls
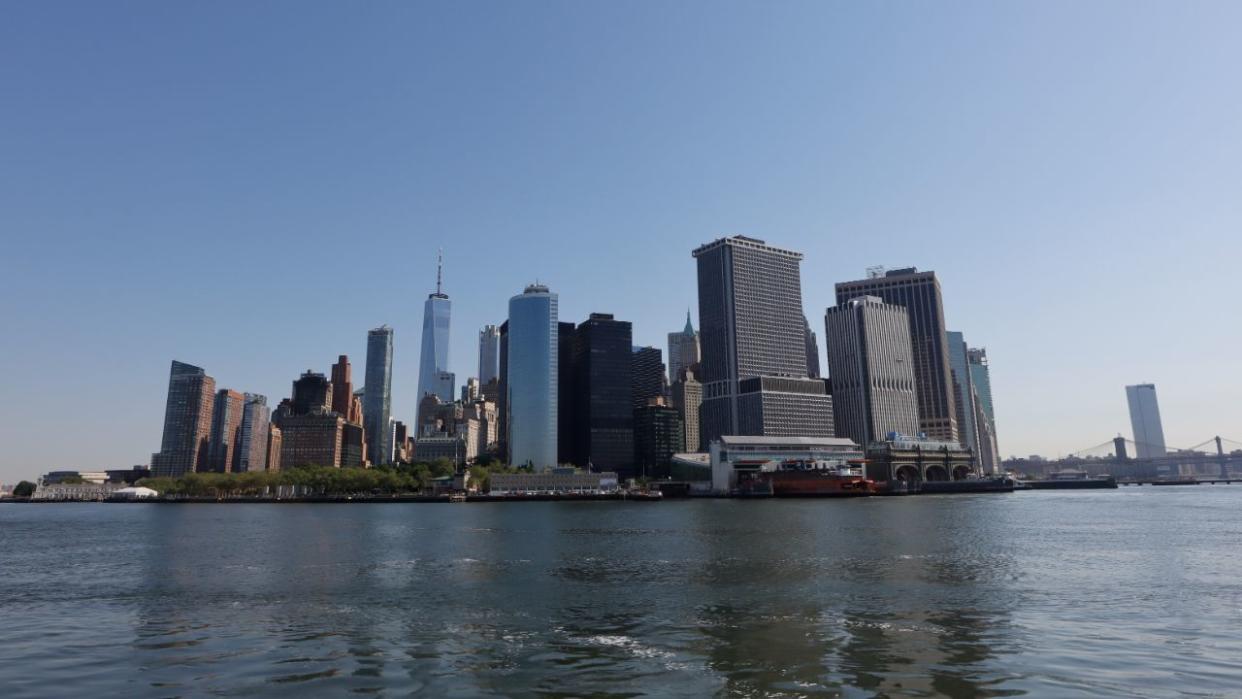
(648, 375)
(310, 391)
(377, 398)
(564, 392)
(603, 425)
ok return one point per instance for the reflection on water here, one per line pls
(1046, 594)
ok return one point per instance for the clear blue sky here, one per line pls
(250, 187)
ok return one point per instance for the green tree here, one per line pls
(23, 489)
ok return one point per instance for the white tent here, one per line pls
(136, 492)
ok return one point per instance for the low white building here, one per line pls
(77, 491)
(731, 454)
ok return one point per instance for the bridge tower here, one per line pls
(1119, 448)
(1220, 458)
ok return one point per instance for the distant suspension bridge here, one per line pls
(1214, 458)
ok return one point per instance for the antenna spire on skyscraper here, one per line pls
(439, 268)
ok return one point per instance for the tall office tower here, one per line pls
(377, 398)
(751, 326)
(434, 358)
(342, 388)
(919, 292)
(870, 360)
(252, 448)
(531, 381)
(311, 390)
(812, 351)
(981, 380)
(274, 444)
(647, 375)
(683, 349)
(1145, 419)
(187, 422)
(226, 423)
(502, 398)
(687, 397)
(963, 393)
(564, 393)
(657, 436)
(603, 410)
(489, 353)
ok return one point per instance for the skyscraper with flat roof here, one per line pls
(1145, 420)
(647, 375)
(985, 416)
(489, 353)
(342, 388)
(252, 449)
(531, 383)
(434, 376)
(377, 397)
(870, 360)
(963, 392)
(812, 351)
(752, 327)
(226, 427)
(919, 293)
(311, 391)
(187, 422)
(603, 409)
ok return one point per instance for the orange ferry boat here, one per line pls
(797, 478)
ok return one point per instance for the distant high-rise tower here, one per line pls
(683, 349)
(489, 353)
(812, 351)
(502, 399)
(985, 416)
(687, 398)
(226, 428)
(647, 375)
(255, 431)
(603, 410)
(531, 383)
(311, 391)
(963, 392)
(433, 373)
(342, 388)
(869, 358)
(919, 293)
(187, 422)
(1145, 419)
(753, 344)
(377, 397)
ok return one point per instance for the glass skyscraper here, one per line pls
(489, 353)
(377, 398)
(1145, 420)
(433, 372)
(531, 381)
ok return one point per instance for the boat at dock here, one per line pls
(1176, 480)
(796, 478)
(1071, 479)
(995, 484)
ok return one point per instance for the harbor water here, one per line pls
(1134, 592)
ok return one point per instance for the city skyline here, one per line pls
(1071, 211)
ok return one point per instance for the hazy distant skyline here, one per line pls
(251, 188)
